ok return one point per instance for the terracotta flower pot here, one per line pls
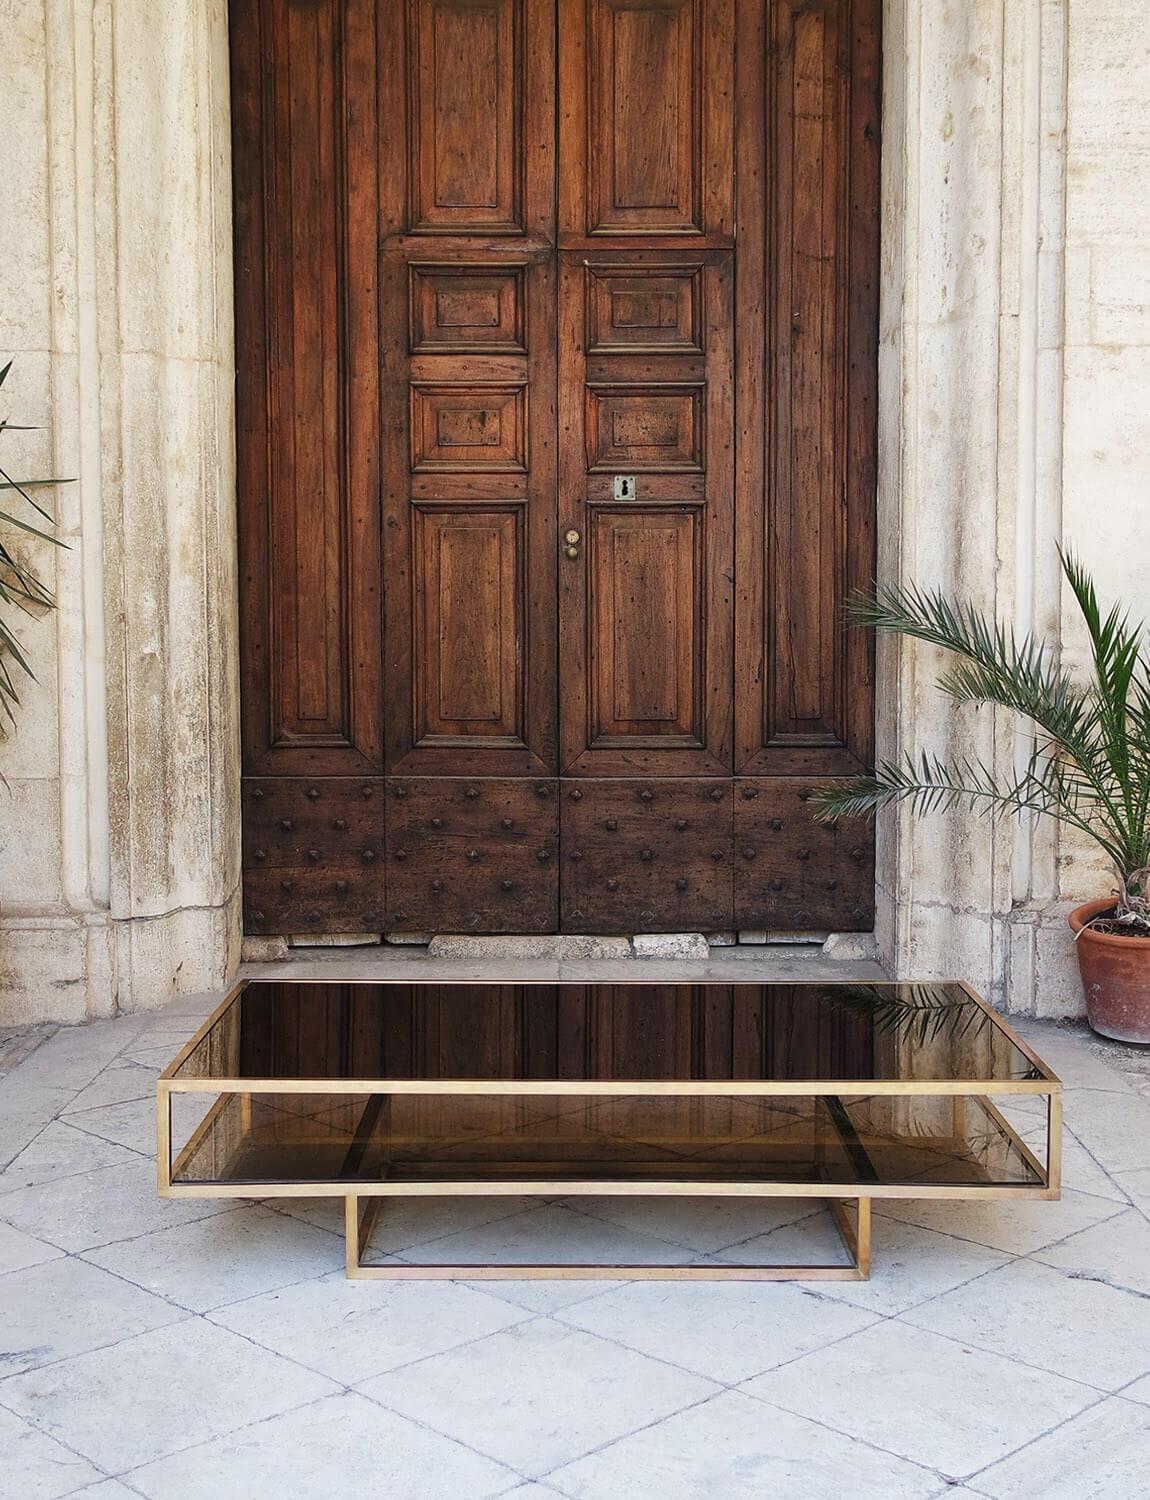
(1115, 976)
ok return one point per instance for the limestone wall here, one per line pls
(1015, 392)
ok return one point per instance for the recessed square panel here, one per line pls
(462, 428)
(466, 308)
(655, 429)
(644, 309)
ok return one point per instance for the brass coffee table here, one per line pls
(842, 1092)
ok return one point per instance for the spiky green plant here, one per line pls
(1089, 760)
(20, 588)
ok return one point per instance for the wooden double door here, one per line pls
(556, 333)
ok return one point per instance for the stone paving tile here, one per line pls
(60, 1150)
(1103, 1454)
(108, 1489)
(736, 1448)
(351, 1330)
(19, 1250)
(36, 1467)
(132, 1122)
(99, 1208)
(118, 1083)
(212, 1262)
(909, 1265)
(336, 1448)
(152, 1395)
(1016, 1226)
(723, 1330)
(1139, 1390)
(1136, 1186)
(66, 1307)
(1114, 1127)
(1052, 1321)
(1116, 1252)
(703, 1225)
(928, 1399)
(551, 1234)
(537, 1395)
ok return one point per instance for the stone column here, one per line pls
(123, 885)
(969, 486)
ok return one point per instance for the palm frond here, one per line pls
(20, 587)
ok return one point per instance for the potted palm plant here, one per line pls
(20, 588)
(1089, 765)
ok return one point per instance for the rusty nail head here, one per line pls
(750, 791)
(437, 885)
(257, 794)
(576, 795)
(341, 886)
(399, 791)
(507, 885)
(681, 883)
(646, 855)
(473, 854)
(680, 824)
(286, 824)
(340, 824)
(437, 822)
(716, 794)
(313, 855)
(312, 793)
(611, 883)
(646, 796)
(508, 823)
(259, 854)
(471, 793)
(611, 825)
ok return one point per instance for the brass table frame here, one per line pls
(850, 1208)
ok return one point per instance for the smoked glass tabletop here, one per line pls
(879, 1038)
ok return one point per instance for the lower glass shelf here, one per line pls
(350, 1142)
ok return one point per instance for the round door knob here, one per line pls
(572, 552)
(571, 537)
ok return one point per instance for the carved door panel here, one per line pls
(556, 343)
